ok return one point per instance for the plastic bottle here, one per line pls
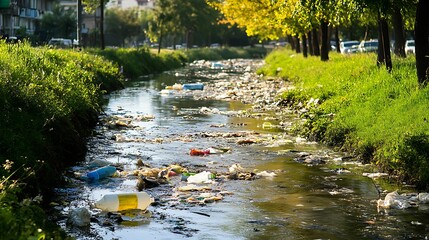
(267, 125)
(124, 201)
(197, 152)
(100, 173)
(193, 86)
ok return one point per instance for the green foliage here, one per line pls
(49, 99)
(123, 24)
(21, 217)
(378, 116)
(140, 61)
(60, 23)
(413, 157)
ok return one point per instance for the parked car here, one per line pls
(349, 47)
(12, 39)
(60, 43)
(368, 46)
(410, 47)
(215, 45)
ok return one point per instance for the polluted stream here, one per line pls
(218, 163)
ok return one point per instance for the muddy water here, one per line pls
(303, 201)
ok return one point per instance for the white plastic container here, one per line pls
(124, 201)
(202, 177)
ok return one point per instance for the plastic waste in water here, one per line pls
(103, 172)
(193, 86)
(210, 150)
(213, 150)
(124, 201)
(267, 125)
(202, 177)
(197, 152)
(185, 176)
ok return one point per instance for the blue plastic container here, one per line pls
(101, 173)
(193, 86)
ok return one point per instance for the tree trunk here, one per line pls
(291, 42)
(316, 48)
(102, 44)
(304, 45)
(398, 29)
(297, 45)
(310, 44)
(324, 56)
(383, 44)
(188, 39)
(160, 37)
(421, 33)
(337, 40)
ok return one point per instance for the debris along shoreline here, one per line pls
(178, 174)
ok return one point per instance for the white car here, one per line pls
(60, 43)
(368, 46)
(349, 47)
(410, 47)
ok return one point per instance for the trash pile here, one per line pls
(186, 187)
(394, 200)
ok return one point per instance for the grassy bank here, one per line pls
(137, 62)
(50, 99)
(380, 117)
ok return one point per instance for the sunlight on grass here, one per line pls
(377, 114)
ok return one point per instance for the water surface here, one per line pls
(301, 202)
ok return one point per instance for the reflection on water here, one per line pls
(301, 202)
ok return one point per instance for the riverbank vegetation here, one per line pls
(50, 99)
(137, 62)
(378, 116)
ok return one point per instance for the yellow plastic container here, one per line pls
(267, 125)
(124, 201)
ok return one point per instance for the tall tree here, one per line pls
(258, 18)
(60, 23)
(123, 23)
(398, 29)
(91, 6)
(422, 41)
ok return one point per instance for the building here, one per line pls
(22, 15)
(131, 3)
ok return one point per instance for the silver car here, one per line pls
(349, 47)
(368, 46)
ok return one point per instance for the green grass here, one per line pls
(381, 117)
(136, 62)
(50, 98)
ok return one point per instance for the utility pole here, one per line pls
(79, 22)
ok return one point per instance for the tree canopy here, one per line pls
(60, 23)
(123, 23)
